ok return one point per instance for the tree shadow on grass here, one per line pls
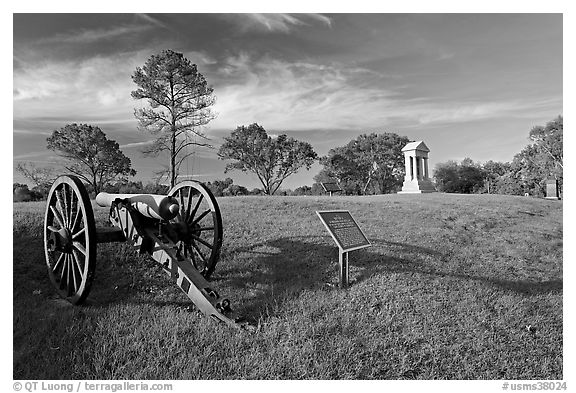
(280, 269)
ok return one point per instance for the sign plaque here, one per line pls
(347, 235)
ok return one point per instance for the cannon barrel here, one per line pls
(150, 205)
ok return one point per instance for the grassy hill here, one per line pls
(446, 291)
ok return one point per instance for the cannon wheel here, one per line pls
(70, 239)
(201, 223)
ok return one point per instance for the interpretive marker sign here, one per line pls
(347, 235)
(343, 229)
(331, 187)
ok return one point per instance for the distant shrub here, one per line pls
(235, 190)
(155, 188)
(22, 194)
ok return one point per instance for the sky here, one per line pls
(468, 85)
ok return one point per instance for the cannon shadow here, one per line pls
(280, 269)
(271, 273)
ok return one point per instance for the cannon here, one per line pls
(181, 231)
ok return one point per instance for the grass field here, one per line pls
(445, 292)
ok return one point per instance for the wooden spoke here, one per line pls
(66, 206)
(73, 272)
(190, 254)
(80, 232)
(79, 247)
(77, 261)
(57, 216)
(64, 272)
(71, 207)
(189, 204)
(199, 239)
(205, 229)
(78, 214)
(193, 213)
(182, 208)
(200, 254)
(201, 216)
(60, 258)
(62, 209)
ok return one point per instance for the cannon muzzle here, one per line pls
(160, 207)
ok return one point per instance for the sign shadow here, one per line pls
(279, 270)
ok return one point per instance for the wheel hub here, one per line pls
(60, 240)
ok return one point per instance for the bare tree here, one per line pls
(40, 176)
(180, 101)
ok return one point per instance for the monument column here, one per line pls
(421, 168)
(408, 175)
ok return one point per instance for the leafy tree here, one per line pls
(465, 177)
(548, 142)
(340, 165)
(90, 154)
(493, 170)
(371, 163)
(271, 159)
(537, 162)
(471, 177)
(446, 176)
(218, 186)
(529, 171)
(180, 101)
(508, 184)
(545, 157)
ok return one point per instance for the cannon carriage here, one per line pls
(181, 231)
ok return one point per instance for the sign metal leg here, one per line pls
(343, 259)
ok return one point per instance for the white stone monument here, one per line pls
(417, 178)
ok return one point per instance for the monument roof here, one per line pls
(418, 145)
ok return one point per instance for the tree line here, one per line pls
(527, 173)
(179, 101)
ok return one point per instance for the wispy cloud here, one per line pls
(87, 36)
(97, 87)
(304, 96)
(136, 144)
(35, 154)
(30, 132)
(277, 22)
(153, 20)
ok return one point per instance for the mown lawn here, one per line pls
(446, 291)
